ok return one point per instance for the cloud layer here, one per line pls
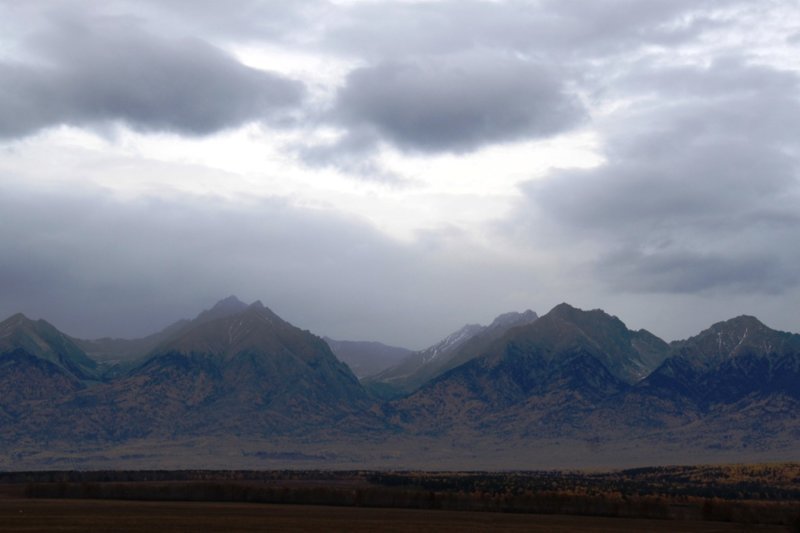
(457, 104)
(606, 153)
(111, 70)
(700, 189)
(96, 265)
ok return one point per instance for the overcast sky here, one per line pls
(392, 170)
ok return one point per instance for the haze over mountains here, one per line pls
(366, 358)
(240, 387)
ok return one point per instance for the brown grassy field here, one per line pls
(17, 515)
(698, 498)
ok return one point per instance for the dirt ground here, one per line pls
(20, 515)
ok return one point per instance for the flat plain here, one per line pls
(25, 515)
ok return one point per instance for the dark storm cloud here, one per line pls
(111, 70)
(700, 188)
(456, 104)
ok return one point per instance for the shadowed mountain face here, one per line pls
(628, 355)
(222, 309)
(737, 337)
(555, 368)
(455, 349)
(240, 373)
(234, 370)
(573, 375)
(39, 366)
(116, 356)
(732, 387)
(42, 341)
(26, 378)
(255, 329)
(729, 361)
(249, 373)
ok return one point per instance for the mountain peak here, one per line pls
(592, 319)
(566, 330)
(740, 322)
(569, 312)
(513, 319)
(223, 308)
(19, 322)
(230, 303)
(564, 307)
(741, 328)
(14, 321)
(742, 335)
(236, 328)
(262, 311)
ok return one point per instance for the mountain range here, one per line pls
(238, 386)
(459, 347)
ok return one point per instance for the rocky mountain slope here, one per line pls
(582, 375)
(242, 373)
(542, 375)
(41, 340)
(115, 356)
(39, 367)
(572, 387)
(455, 349)
(738, 376)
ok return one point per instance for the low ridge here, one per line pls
(42, 340)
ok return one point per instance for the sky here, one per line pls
(391, 170)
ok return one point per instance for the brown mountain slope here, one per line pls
(250, 373)
(456, 349)
(545, 375)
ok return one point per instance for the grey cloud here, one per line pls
(724, 77)
(552, 29)
(456, 104)
(610, 26)
(95, 265)
(456, 76)
(90, 73)
(686, 182)
(693, 271)
(396, 29)
(240, 20)
(353, 153)
(698, 193)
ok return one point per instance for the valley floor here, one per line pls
(395, 452)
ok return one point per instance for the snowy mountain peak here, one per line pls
(451, 342)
